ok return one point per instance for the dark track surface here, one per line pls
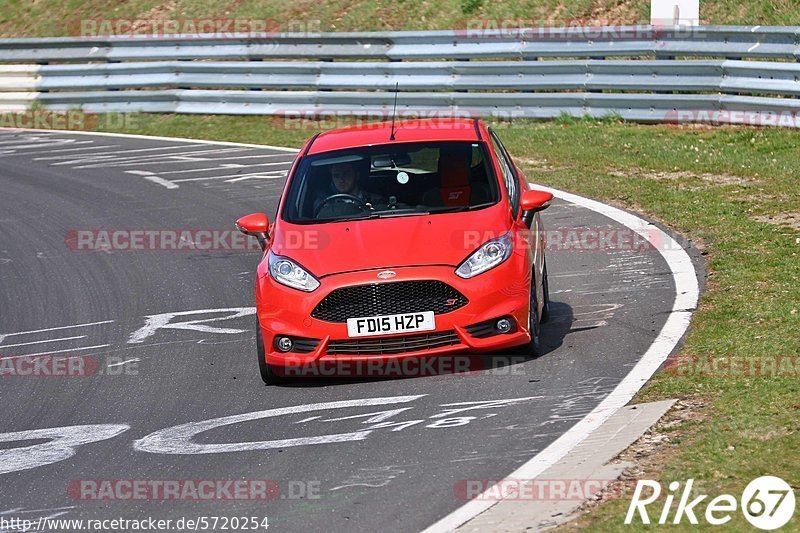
(607, 308)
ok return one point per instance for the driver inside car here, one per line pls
(345, 180)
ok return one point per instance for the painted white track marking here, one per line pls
(104, 155)
(147, 137)
(95, 147)
(39, 145)
(225, 166)
(134, 360)
(42, 342)
(178, 439)
(78, 349)
(268, 174)
(150, 176)
(4, 335)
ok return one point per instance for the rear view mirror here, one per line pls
(391, 160)
(255, 225)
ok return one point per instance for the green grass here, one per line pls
(708, 184)
(25, 18)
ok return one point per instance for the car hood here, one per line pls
(443, 239)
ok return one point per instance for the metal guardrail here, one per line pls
(776, 42)
(510, 78)
(300, 104)
(723, 76)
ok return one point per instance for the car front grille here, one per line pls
(393, 345)
(378, 299)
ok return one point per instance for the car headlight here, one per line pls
(488, 256)
(287, 272)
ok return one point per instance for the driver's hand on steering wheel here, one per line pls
(336, 205)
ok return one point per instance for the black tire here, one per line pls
(268, 374)
(533, 348)
(546, 292)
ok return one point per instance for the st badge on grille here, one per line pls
(387, 274)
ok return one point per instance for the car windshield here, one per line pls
(390, 181)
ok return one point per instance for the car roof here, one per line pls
(436, 129)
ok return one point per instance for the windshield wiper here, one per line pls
(343, 219)
(403, 213)
(389, 213)
(369, 216)
(461, 208)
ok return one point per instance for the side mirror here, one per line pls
(255, 225)
(535, 200)
(532, 202)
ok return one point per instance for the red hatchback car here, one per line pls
(399, 241)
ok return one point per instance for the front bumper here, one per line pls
(501, 292)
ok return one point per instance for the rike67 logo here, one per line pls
(767, 503)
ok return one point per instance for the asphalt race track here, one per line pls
(397, 460)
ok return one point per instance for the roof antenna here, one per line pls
(394, 109)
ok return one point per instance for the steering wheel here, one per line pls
(344, 197)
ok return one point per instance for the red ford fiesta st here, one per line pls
(394, 241)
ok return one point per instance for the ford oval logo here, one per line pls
(387, 274)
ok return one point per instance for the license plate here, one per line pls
(389, 324)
